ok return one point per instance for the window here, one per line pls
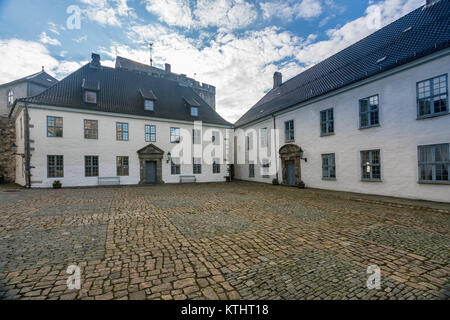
(289, 131)
(149, 105)
(175, 166)
(10, 97)
(90, 129)
(55, 166)
(91, 166)
(122, 131)
(369, 112)
(90, 97)
(263, 135)
(265, 168)
(122, 166)
(54, 127)
(251, 170)
(434, 163)
(150, 133)
(197, 165)
(194, 111)
(196, 136)
(250, 141)
(328, 166)
(326, 122)
(432, 96)
(216, 166)
(175, 135)
(370, 165)
(215, 138)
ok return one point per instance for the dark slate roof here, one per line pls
(120, 91)
(41, 78)
(429, 32)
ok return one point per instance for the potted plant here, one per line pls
(301, 185)
(56, 184)
(275, 182)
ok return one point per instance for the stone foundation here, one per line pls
(7, 137)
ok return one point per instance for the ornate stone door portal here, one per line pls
(291, 155)
(150, 157)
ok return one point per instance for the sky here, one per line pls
(235, 45)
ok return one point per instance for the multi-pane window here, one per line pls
(122, 166)
(54, 127)
(434, 162)
(265, 168)
(10, 97)
(328, 166)
(370, 165)
(91, 166)
(432, 96)
(289, 131)
(150, 133)
(90, 129)
(55, 166)
(197, 165)
(196, 136)
(250, 141)
(149, 105)
(216, 165)
(175, 166)
(122, 131)
(251, 170)
(90, 97)
(326, 122)
(369, 112)
(263, 137)
(175, 135)
(215, 138)
(194, 111)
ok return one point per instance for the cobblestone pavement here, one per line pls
(219, 241)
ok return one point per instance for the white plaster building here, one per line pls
(113, 126)
(374, 118)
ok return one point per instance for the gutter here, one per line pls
(27, 148)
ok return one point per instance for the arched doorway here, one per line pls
(290, 155)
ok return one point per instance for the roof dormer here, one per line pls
(148, 99)
(193, 106)
(90, 91)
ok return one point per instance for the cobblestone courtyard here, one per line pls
(219, 241)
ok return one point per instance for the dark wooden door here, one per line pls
(150, 172)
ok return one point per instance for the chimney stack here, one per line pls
(95, 60)
(277, 79)
(168, 68)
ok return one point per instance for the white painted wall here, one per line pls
(73, 146)
(398, 136)
(20, 143)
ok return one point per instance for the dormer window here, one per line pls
(149, 105)
(90, 97)
(10, 97)
(194, 111)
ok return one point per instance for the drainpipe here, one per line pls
(275, 144)
(27, 148)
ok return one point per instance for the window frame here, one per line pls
(152, 105)
(175, 168)
(122, 131)
(196, 166)
(369, 112)
(216, 166)
(194, 114)
(263, 137)
(90, 130)
(150, 135)
(91, 170)
(85, 96)
(371, 165)
(329, 123)
(433, 163)
(55, 127)
(173, 135)
(265, 166)
(10, 97)
(194, 136)
(431, 97)
(249, 138)
(328, 166)
(251, 170)
(215, 138)
(288, 131)
(55, 166)
(124, 169)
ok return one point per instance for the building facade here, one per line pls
(387, 133)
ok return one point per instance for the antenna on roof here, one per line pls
(151, 54)
(43, 69)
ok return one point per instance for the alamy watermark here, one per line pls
(374, 279)
(74, 280)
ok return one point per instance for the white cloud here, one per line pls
(291, 9)
(108, 12)
(227, 14)
(82, 38)
(45, 39)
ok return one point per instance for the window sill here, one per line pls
(434, 115)
(368, 127)
(371, 180)
(329, 179)
(434, 182)
(327, 134)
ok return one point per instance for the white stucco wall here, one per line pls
(73, 146)
(398, 136)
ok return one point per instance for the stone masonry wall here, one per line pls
(7, 137)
